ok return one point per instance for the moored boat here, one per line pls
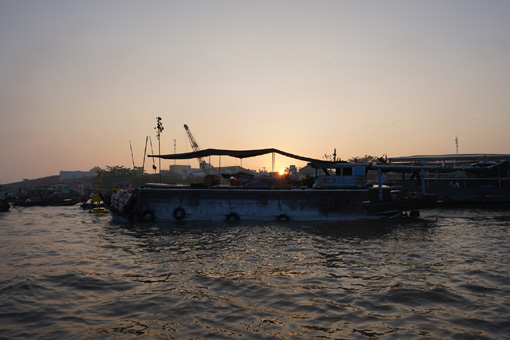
(97, 205)
(4, 205)
(341, 192)
(46, 203)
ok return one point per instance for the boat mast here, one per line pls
(133, 160)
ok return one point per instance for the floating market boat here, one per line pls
(341, 192)
(96, 205)
(46, 203)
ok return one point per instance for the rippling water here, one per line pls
(68, 274)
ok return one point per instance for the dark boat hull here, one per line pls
(45, 203)
(4, 206)
(167, 204)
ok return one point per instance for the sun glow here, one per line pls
(281, 172)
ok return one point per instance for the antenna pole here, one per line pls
(175, 148)
(159, 127)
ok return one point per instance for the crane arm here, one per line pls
(195, 147)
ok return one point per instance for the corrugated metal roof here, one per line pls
(451, 157)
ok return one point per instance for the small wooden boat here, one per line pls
(97, 206)
(46, 203)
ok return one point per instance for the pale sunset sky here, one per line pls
(79, 80)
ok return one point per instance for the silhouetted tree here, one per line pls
(366, 159)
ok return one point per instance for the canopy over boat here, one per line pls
(315, 163)
(234, 153)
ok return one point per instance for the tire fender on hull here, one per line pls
(147, 216)
(179, 213)
(233, 217)
(283, 217)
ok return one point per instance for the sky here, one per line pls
(82, 81)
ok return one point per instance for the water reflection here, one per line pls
(245, 252)
(373, 229)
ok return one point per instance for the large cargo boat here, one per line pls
(341, 192)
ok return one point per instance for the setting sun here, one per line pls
(281, 172)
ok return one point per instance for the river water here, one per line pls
(67, 274)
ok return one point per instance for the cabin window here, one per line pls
(359, 171)
(347, 171)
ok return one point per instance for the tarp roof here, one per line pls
(233, 153)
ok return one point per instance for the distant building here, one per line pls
(293, 171)
(77, 180)
(66, 176)
(183, 170)
(306, 171)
